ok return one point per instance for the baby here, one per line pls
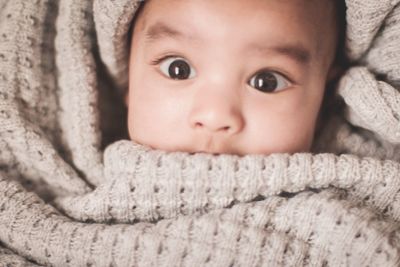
(231, 76)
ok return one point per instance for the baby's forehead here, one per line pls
(315, 12)
(319, 8)
(305, 22)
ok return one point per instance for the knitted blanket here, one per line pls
(75, 192)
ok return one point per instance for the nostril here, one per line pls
(220, 129)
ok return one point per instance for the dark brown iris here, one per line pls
(179, 70)
(265, 82)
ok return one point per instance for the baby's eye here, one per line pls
(177, 68)
(268, 82)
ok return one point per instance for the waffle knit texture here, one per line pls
(75, 193)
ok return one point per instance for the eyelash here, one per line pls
(160, 59)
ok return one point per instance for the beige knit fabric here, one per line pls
(73, 192)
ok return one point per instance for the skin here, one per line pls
(226, 43)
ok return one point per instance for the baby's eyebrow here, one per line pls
(295, 51)
(159, 30)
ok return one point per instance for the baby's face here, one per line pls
(222, 76)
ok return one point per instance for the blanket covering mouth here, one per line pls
(74, 193)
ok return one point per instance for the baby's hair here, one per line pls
(331, 103)
(341, 24)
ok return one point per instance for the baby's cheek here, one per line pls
(154, 117)
(284, 134)
(285, 125)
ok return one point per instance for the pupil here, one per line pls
(266, 82)
(179, 70)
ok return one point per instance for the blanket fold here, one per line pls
(73, 193)
(247, 234)
(149, 185)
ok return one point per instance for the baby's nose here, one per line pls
(216, 114)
